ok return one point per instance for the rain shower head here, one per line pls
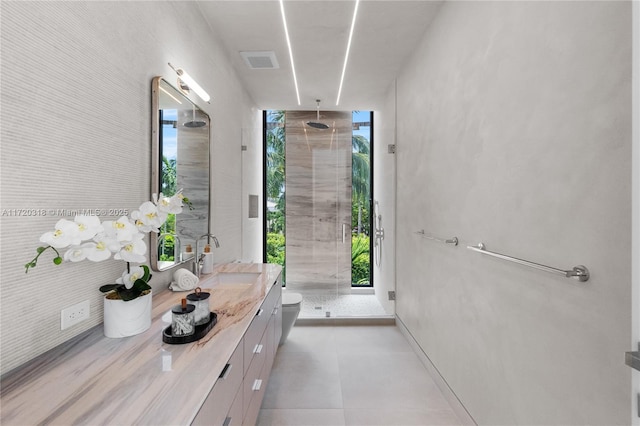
(317, 124)
(194, 123)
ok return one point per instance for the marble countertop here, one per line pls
(140, 380)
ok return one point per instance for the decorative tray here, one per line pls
(200, 332)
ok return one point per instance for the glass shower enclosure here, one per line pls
(318, 209)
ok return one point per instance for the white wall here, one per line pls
(384, 169)
(76, 100)
(252, 185)
(514, 129)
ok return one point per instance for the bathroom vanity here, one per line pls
(219, 379)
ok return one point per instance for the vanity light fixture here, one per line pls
(286, 33)
(191, 83)
(346, 55)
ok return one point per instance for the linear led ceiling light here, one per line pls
(286, 33)
(346, 55)
(189, 81)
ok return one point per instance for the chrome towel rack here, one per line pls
(580, 272)
(453, 240)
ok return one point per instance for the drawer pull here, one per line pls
(256, 385)
(259, 312)
(227, 421)
(257, 349)
(225, 372)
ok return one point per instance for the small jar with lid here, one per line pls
(200, 300)
(183, 319)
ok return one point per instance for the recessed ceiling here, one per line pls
(385, 35)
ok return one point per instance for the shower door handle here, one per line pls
(344, 232)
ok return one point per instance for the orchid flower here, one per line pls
(100, 249)
(148, 218)
(129, 278)
(88, 226)
(87, 238)
(66, 233)
(171, 204)
(124, 229)
(133, 250)
(75, 254)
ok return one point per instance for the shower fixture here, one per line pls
(317, 124)
(195, 123)
(378, 232)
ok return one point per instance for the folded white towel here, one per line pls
(183, 280)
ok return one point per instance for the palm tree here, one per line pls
(361, 170)
(275, 155)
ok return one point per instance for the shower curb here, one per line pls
(347, 321)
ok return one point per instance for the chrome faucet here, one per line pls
(176, 257)
(199, 257)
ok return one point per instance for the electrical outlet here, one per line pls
(74, 314)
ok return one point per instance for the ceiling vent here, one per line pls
(263, 60)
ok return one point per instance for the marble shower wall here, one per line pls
(193, 175)
(318, 202)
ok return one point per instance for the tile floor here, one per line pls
(351, 375)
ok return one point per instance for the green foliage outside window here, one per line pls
(169, 183)
(360, 260)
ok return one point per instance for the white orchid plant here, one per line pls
(86, 238)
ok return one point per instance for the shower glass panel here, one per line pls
(318, 210)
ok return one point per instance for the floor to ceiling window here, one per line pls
(318, 186)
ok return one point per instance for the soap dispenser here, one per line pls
(188, 252)
(207, 260)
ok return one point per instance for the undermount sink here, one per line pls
(237, 280)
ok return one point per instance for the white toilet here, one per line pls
(291, 303)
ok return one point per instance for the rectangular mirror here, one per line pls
(180, 160)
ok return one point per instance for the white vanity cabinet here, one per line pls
(237, 395)
(259, 353)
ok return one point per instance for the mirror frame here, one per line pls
(156, 168)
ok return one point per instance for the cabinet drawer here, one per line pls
(235, 415)
(252, 411)
(216, 406)
(252, 383)
(259, 324)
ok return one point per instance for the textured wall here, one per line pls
(76, 99)
(514, 128)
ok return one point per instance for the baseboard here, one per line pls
(448, 393)
(347, 321)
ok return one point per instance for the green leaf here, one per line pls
(127, 295)
(109, 287)
(41, 249)
(140, 285)
(57, 260)
(147, 274)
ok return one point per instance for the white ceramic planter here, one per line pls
(122, 319)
